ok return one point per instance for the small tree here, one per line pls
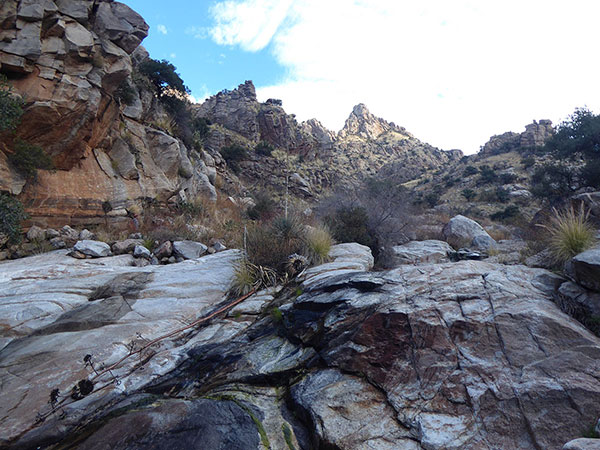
(11, 108)
(580, 133)
(11, 216)
(28, 158)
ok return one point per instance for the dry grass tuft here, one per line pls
(570, 233)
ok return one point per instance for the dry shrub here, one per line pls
(248, 277)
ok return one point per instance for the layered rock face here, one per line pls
(467, 355)
(535, 135)
(67, 59)
(366, 144)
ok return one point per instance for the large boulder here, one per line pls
(422, 252)
(189, 249)
(585, 268)
(95, 249)
(461, 231)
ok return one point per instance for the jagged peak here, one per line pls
(362, 123)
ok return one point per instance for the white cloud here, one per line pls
(197, 32)
(173, 55)
(162, 29)
(453, 73)
(204, 94)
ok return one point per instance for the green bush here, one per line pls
(508, 178)
(233, 155)
(201, 126)
(264, 207)
(552, 182)
(163, 75)
(264, 148)
(469, 194)
(125, 93)
(470, 170)
(487, 174)
(502, 195)
(351, 224)
(11, 216)
(28, 158)
(270, 244)
(580, 133)
(528, 161)
(591, 173)
(509, 212)
(11, 108)
(570, 233)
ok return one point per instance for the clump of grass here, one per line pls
(250, 277)
(570, 233)
(318, 244)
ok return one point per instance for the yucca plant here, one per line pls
(570, 233)
(251, 277)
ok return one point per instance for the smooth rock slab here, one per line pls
(189, 249)
(95, 249)
(422, 252)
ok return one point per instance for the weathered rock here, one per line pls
(582, 444)
(86, 235)
(126, 246)
(95, 249)
(586, 268)
(140, 251)
(35, 233)
(164, 250)
(97, 307)
(461, 231)
(219, 246)
(58, 243)
(189, 249)
(422, 252)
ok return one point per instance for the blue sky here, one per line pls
(453, 72)
(179, 33)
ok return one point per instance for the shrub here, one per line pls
(508, 178)
(11, 108)
(432, 199)
(233, 155)
(528, 162)
(487, 174)
(552, 182)
(502, 195)
(468, 194)
(318, 244)
(270, 244)
(470, 170)
(591, 173)
(125, 93)
(570, 233)
(509, 212)
(201, 126)
(580, 133)
(163, 75)
(264, 207)
(264, 148)
(28, 158)
(11, 216)
(351, 224)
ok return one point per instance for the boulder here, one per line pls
(461, 231)
(36, 233)
(95, 249)
(189, 249)
(142, 252)
(126, 246)
(582, 444)
(586, 268)
(164, 250)
(86, 235)
(422, 252)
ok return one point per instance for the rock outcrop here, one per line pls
(535, 135)
(461, 231)
(68, 59)
(465, 355)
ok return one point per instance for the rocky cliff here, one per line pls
(68, 59)
(319, 157)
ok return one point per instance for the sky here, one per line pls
(452, 72)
